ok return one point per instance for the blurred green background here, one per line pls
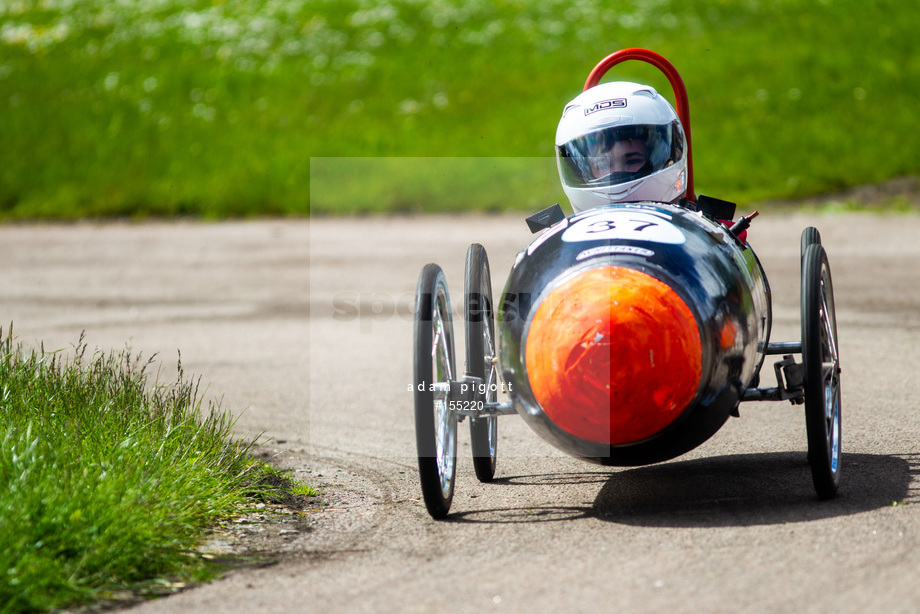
(266, 107)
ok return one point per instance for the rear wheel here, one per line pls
(480, 357)
(821, 360)
(433, 370)
(810, 236)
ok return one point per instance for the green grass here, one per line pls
(228, 107)
(109, 483)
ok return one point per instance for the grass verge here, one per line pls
(216, 109)
(109, 483)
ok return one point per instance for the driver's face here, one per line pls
(624, 156)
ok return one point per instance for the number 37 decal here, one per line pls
(625, 225)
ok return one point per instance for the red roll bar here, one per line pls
(677, 84)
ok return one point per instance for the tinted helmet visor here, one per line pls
(619, 154)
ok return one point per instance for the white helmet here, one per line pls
(620, 142)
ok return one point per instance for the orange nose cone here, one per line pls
(613, 355)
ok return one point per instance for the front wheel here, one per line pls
(433, 370)
(821, 360)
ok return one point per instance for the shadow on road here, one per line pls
(737, 490)
(747, 490)
(555, 479)
(541, 513)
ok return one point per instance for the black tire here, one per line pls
(480, 350)
(821, 360)
(435, 425)
(810, 236)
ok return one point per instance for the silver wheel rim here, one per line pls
(445, 421)
(831, 374)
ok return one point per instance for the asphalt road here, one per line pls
(303, 329)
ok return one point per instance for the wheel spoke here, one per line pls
(828, 318)
(443, 418)
(440, 347)
(443, 425)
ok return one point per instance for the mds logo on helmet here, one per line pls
(603, 105)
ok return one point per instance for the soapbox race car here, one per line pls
(626, 335)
